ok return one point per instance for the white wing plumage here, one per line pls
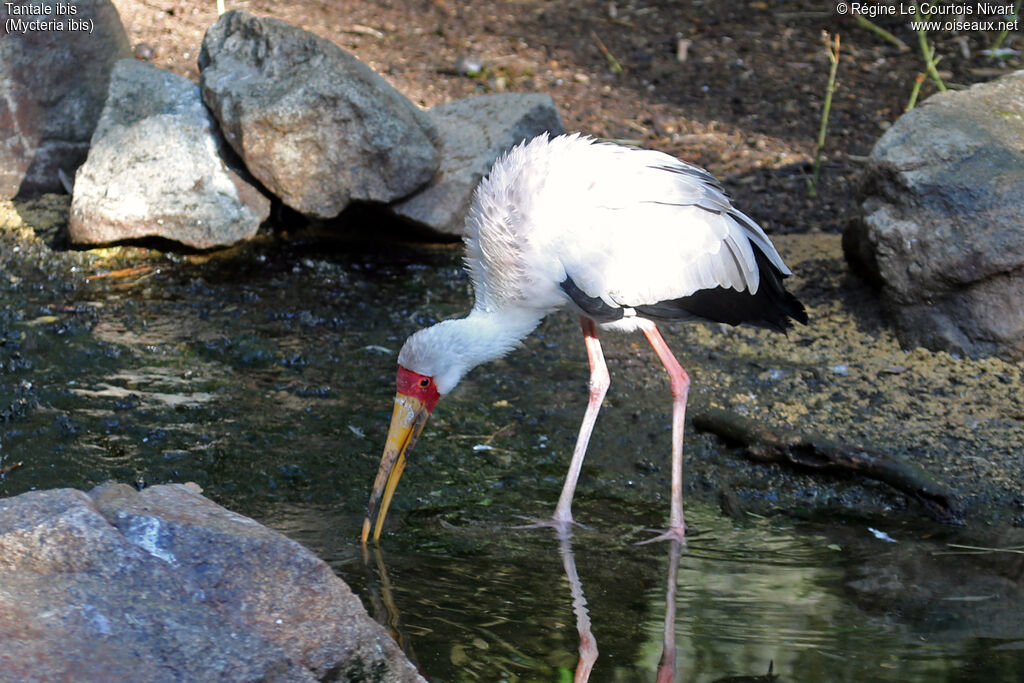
(632, 227)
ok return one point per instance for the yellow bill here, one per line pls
(407, 420)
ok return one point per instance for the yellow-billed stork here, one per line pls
(626, 237)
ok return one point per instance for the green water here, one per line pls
(267, 378)
(485, 602)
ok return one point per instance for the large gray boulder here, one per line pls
(156, 169)
(164, 585)
(315, 125)
(474, 132)
(943, 221)
(53, 81)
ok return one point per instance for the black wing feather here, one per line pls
(594, 307)
(772, 307)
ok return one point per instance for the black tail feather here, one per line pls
(771, 307)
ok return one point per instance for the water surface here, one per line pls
(268, 381)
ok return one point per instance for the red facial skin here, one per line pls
(418, 386)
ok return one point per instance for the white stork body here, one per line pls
(624, 236)
(629, 226)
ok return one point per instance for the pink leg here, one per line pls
(667, 665)
(588, 645)
(680, 384)
(599, 381)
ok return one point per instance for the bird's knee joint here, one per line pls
(599, 385)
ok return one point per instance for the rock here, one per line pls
(941, 229)
(474, 132)
(315, 125)
(163, 585)
(155, 169)
(53, 81)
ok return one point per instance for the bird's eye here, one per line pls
(425, 382)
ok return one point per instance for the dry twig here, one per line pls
(881, 32)
(613, 63)
(123, 272)
(764, 444)
(7, 468)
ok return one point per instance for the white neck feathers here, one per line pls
(448, 350)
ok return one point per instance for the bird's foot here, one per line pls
(562, 526)
(673, 533)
